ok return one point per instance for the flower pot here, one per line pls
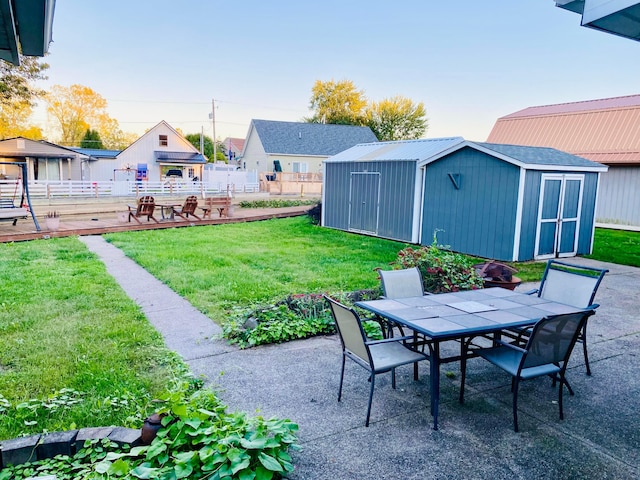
(53, 223)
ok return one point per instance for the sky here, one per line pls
(469, 61)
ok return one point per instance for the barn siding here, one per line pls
(619, 197)
(397, 183)
(478, 218)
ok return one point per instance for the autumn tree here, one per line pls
(18, 96)
(78, 108)
(91, 139)
(337, 102)
(397, 118)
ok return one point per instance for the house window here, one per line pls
(164, 141)
(300, 167)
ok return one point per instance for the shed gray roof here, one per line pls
(414, 150)
(541, 156)
(429, 150)
(298, 138)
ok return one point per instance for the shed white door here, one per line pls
(559, 216)
(364, 200)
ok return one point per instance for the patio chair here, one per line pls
(145, 207)
(377, 356)
(573, 285)
(547, 352)
(401, 283)
(188, 208)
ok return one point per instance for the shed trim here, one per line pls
(519, 207)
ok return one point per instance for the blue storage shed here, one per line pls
(503, 202)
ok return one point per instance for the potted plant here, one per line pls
(52, 219)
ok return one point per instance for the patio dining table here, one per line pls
(459, 316)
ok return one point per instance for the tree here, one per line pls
(78, 108)
(91, 139)
(221, 149)
(337, 102)
(18, 96)
(397, 118)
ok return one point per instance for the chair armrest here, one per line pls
(387, 340)
(510, 345)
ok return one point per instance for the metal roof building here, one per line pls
(604, 130)
(505, 202)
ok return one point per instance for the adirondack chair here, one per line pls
(188, 208)
(146, 206)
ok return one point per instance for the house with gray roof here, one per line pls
(503, 202)
(298, 147)
(45, 160)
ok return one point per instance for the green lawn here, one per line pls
(617, 246)
(217, 267)
(65, 324)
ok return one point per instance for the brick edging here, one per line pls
(43, 446)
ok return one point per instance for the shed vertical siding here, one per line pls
(397, 183)
(587, 215)
(619, 198)
(478, 217)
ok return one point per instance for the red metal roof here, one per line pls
(605, 131)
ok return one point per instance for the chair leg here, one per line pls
(516, 384)
(393, 378)
(341, 378)
(561, 387)
(583, 337)
(373, 382)
(415, 365)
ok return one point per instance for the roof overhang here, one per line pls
(26, 27)
(618, 17)
(180, 157)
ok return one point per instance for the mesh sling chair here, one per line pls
(547, 352)
(403, 283)
(573, 285)
(377, 356)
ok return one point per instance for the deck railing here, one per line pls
(70, 188)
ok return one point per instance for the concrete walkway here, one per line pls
(599, 438)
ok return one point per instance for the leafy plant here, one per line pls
(442, 270)
(198, 439)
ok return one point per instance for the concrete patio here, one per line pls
(599, 438)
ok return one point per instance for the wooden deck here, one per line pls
(108, 222)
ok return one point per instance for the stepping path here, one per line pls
(186, 330)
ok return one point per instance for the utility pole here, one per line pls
(213, 119)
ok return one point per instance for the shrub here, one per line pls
(442, 270)
(275, 203)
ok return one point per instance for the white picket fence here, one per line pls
(102, 189)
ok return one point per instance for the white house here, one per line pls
(151, 157)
